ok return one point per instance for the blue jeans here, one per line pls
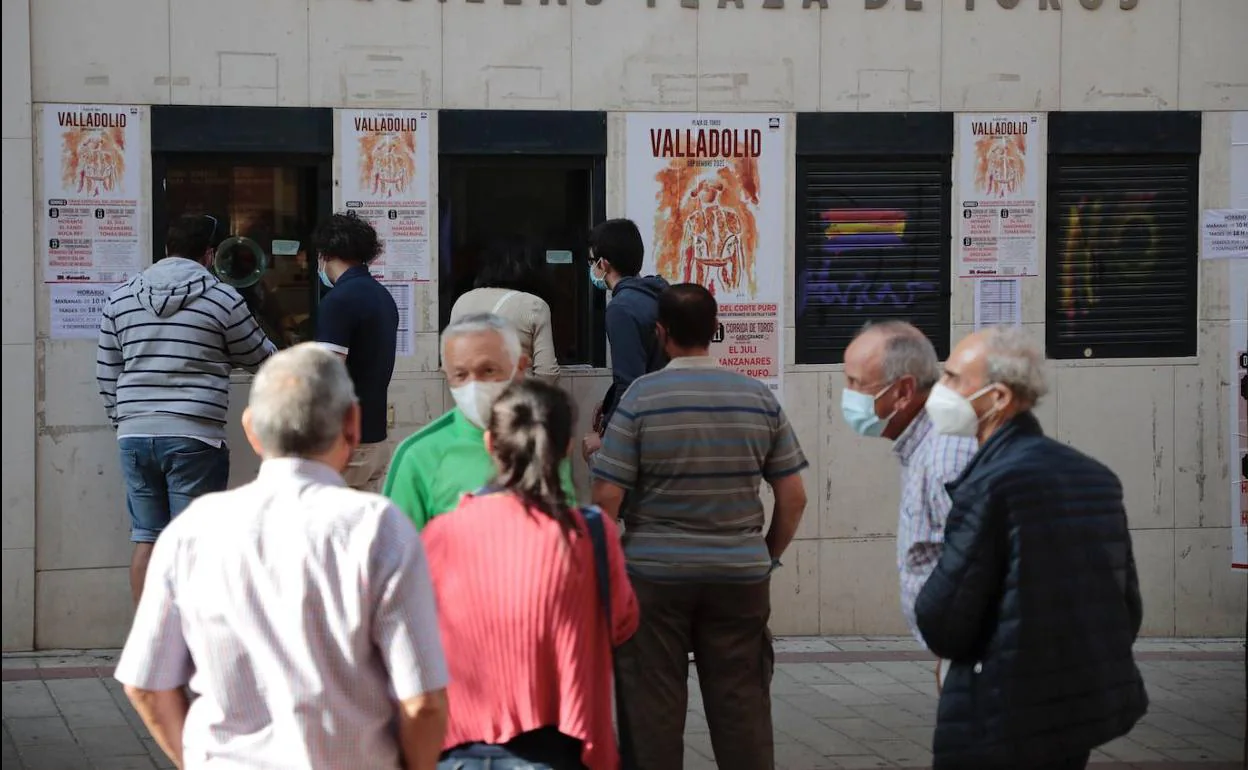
(542, 749)
(163, 475)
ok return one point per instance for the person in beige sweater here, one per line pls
(501, 288)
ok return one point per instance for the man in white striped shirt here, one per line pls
(890, 368)
(298, 610)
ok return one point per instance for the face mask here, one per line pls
(325, 278)
(952, 414)
(597, 281)
(858, 409)
(475, 399)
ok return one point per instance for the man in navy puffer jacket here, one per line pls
(1035, 599)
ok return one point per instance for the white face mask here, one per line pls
(952, 413)
(475, 399)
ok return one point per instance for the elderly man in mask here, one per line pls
(433, 468)
(302, 610)
(1035, 599)
(890, 368)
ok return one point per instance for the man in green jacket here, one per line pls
(433, 468)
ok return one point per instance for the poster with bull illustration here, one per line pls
(91, 192)
(998, 192)
(708, 193)
(385, 179)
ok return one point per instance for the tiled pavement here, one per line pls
(838, 703)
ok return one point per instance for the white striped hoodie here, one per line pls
(168, 340)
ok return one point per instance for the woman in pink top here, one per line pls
(524, 630)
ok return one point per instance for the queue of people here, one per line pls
(475, 614)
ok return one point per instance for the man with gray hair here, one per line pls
(1035, 599)
(890, 368)
(299, 611)
(439, 464)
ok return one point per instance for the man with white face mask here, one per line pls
(890, 368)
(433, 468)
(1035, 599)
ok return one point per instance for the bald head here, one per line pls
(999, 355)
(890, 350)
(896, 364)
(302, 404)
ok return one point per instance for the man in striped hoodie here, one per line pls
(168, 340)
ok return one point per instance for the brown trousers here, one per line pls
(724, 625)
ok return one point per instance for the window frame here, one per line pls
(880, 137)
(536, 133)
(1101, 138)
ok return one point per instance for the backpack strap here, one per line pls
(503, 301)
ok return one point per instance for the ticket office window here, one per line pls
(266, 208)
(547, 202)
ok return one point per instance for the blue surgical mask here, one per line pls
(858, 409)
(597, 281)
(325, 278)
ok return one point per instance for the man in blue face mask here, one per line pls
(890, 368)
(616, 256)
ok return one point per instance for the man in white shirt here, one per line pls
(890, 368)
(299, 611)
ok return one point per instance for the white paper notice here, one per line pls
(76, 309)
(385, 179)
(998, 188)
(91, 192)
(1224, 234)
(998, 302)
(405, 298)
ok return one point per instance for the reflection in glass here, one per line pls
(258, 207)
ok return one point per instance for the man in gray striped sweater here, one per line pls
(168, 340)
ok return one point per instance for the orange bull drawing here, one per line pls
(705, 228)
(93, 160)
(388, 162)
(1000, 164)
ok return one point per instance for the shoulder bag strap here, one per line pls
(598, 537)
(503, 300)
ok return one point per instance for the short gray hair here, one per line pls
(485, 323)
(907, 351)
(299, 400)
(1013, 359)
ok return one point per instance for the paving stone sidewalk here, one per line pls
(843, 702)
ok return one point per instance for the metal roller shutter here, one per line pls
(872, 244)
(1122, 256)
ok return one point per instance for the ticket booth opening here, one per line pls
(545, 201)
(265, 193)
(535, 176)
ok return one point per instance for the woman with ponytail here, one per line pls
(523, 624)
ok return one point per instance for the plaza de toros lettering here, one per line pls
(870, 5)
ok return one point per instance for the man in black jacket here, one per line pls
(1035, 598)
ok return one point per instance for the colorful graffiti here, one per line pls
(1103, 225)
(869, 237)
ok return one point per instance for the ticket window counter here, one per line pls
(266, 194)
(539, 176)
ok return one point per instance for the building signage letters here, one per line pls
(870, 5)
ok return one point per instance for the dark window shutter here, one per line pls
(1122, 255)
(872, 244)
